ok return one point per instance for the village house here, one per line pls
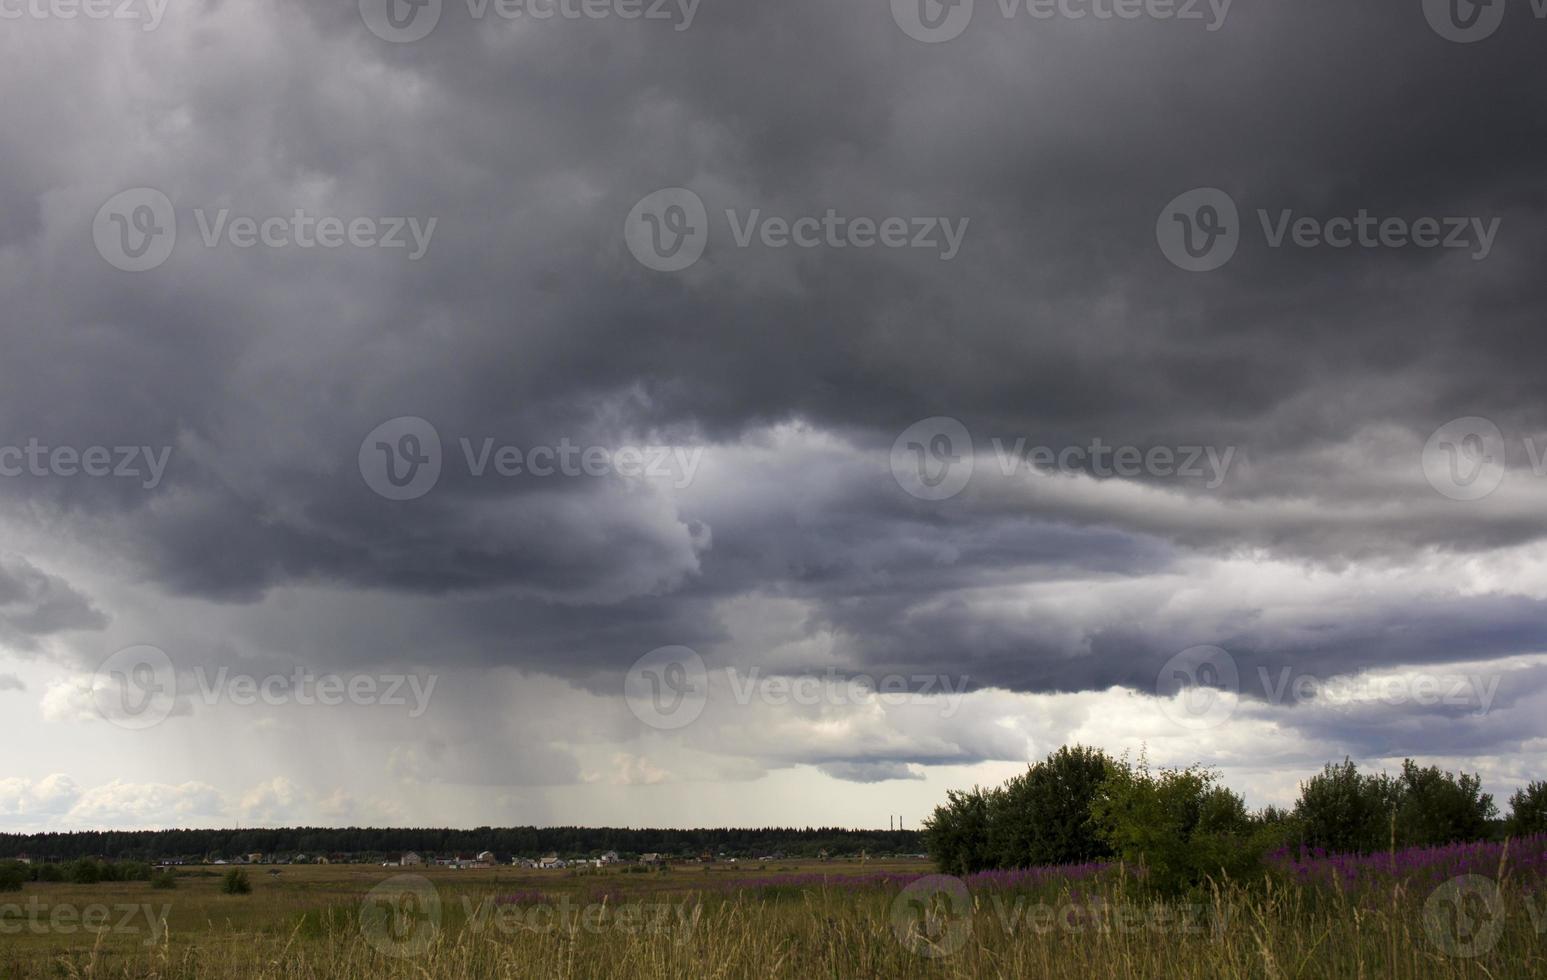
(410, 860)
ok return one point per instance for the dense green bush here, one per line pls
(1179, 826)
(13, 874)
(1528, 810)
(84, 872)
(1042, 816)
(956, 834)
(1435, 807)
(235, 882)
(1341, 809)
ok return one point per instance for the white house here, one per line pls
(410, 860)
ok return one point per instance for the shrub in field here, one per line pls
(1042, 816)
(163, 879)
(1436, 807)
(84, 872)
(1179, 826)
(1341, 809)
(235, 882)
(1528, 810)
(13, 874)
(956, 834)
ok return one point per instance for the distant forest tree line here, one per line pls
(390, 843)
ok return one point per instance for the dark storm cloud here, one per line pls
(527, 320)
(35, 604)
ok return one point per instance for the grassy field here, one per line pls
(837, 919)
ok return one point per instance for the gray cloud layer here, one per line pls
(528, 321)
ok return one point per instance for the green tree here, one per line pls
(235, 882)
(85, 872)
(1042, 816)
(1342, 810)
(1178, 825)
(13, 874)
(1528, 810)
(956, 834)
(1436, 807)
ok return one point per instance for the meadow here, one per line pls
(1475, 911)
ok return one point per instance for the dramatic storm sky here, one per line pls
(1401, 591)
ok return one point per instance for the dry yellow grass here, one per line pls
(326, 923)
